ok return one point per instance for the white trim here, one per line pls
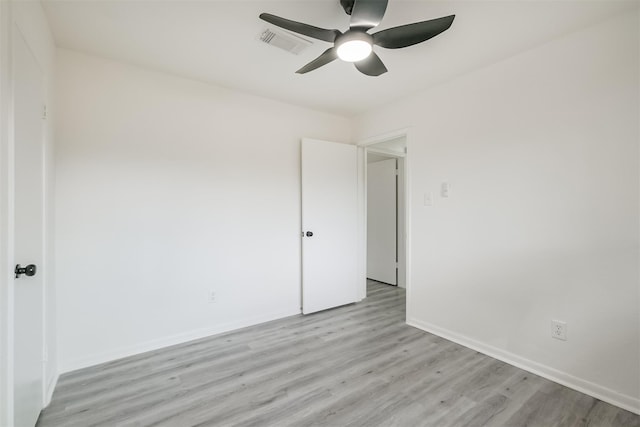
(362, 221)
(159, 343)
(365, 221)
(44, 269)
(407, 220)
(399, 133)
(605, 394)
(389, 153)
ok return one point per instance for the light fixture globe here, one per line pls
(354, 46)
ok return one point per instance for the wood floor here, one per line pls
(358, 365)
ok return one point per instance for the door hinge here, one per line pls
(44, 112)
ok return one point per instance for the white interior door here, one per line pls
(29, 216)
(329, 212)
(382, 221)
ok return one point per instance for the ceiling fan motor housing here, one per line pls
(353, 35)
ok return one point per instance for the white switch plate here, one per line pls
(445, 189)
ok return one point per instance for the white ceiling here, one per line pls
(216, 41)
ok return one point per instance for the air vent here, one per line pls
(284, 40)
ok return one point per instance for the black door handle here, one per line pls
(29, 270)
(309, 233)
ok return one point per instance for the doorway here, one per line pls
(386, 211)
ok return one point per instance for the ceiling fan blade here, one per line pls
(300, 28)
(371, 66)
(326, 57)
(408, 35)
(367, 14)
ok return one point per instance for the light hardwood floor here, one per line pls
(357, 365)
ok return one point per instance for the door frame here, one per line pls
(362, 205)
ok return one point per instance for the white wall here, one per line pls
(541, 151)
(29, 18)
(169, 188)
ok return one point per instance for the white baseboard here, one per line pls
(599, 392)
(155, 344)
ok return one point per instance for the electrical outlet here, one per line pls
(559, 330)
(212, 297)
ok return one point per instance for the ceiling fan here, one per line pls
(356, 44)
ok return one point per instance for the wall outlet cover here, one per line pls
(559, 330)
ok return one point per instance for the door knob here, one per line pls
(29, 270)
(309, 233)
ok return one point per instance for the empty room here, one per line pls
(320, 212)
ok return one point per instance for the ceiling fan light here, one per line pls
(354, 50)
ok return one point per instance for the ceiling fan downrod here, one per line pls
(347, 5)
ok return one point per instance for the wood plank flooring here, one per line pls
(357, 365)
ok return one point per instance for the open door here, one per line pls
(329, 225)
(382, 225)
(29, 234)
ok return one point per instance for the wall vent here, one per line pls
(284, 40)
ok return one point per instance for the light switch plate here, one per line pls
(445, 189)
